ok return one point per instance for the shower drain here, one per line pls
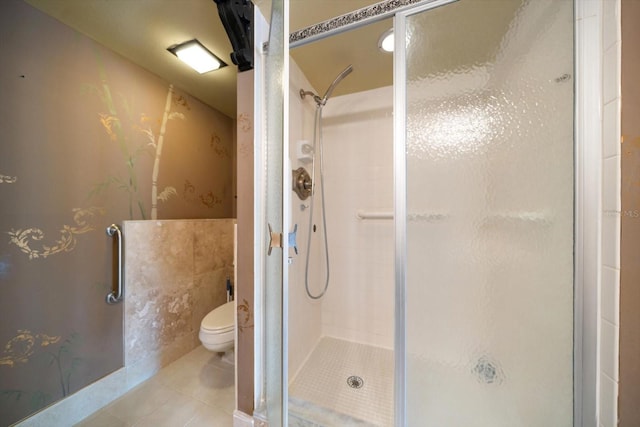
(355, 381)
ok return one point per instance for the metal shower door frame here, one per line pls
(400, 202)
(587, 212)
(587, 215)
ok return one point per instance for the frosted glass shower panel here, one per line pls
(490, 214)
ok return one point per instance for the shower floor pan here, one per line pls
(343, 384)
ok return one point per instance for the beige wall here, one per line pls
(88, 139)
(244, 288)
(629, 410)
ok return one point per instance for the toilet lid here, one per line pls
(220, 319)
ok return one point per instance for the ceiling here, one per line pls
(142, 30)
(463, 34)
(323, 60)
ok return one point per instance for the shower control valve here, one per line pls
(301, 183)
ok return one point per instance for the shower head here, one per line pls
(322, 101)
(338, 79)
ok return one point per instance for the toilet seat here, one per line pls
(220, 320)
(217, 330)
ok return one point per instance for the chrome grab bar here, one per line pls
(115, 296)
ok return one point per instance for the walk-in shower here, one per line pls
(450, 190)
(317, 153)
(340, 348)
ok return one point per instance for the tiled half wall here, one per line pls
(175, 273)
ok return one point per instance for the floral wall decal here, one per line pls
(244, 122)
(245, 316)
(219, 148)
(182, 101)
(207, 199)
(6, 179)
(59, 355)
(24, 238)
(210, 200)
(23, 345)
(167, 193)
(89, 139)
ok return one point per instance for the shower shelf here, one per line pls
(542, 218)
(427, 216)
(422, 216)
(538, 217)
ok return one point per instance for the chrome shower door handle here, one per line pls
(116, 296)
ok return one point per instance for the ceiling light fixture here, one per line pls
(385, 42)
(198, 57)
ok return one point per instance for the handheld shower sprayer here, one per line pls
(322, 101)
(337, 80)
(317, 155)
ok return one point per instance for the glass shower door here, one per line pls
(273, 223)
(489, 213)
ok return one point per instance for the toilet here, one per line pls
(217, 331)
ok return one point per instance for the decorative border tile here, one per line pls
(349, 18)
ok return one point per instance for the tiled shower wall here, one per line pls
(602, 18)
(175, 274)
(305, 322)
(358, 140)
(358, 136)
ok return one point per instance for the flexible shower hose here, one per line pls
(317, 138)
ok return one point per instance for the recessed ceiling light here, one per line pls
(385, 42)
(198, 57)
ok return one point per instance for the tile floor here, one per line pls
(321, 395)
(195, 390)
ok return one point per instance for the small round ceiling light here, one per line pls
(386, 42)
